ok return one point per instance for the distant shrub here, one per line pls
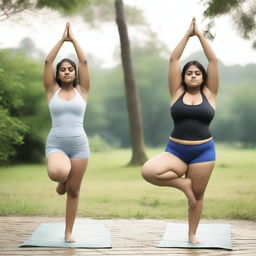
(98, 144)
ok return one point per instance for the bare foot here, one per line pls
(69, 238)
(61, 188)
(189, 193)
(192, 239)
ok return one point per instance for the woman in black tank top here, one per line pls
(189, 158)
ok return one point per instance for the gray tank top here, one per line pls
(67, 115)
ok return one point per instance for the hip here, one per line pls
(72, 139)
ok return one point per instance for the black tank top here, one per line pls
(191, 122)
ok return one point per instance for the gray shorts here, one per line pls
(73, 146)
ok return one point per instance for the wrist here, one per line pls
(187, 35)
(200, 35)
(73, 40)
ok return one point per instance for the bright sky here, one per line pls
(169, 19)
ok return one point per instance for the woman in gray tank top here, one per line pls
(67, 148)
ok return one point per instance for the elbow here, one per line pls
(83, 62)
(174, 59)
(46, 61)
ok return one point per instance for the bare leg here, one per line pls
(199, 174)
(58, 166)
(166, 169)
(73, 184)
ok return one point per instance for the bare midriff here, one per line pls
(190, 142)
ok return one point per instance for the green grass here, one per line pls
(112, 190)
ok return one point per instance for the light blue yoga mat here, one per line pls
(210, 236)
(86, 235)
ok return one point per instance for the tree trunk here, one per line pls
(132, 99)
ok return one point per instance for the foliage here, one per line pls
(12, 126)
(63, 6)
(242, 12)
(11, 133)
(23, 96)
(9, 8)
(106, 113)
(151, 72)
(97, 144)
(35, 112)
(98, 12)
(245, 121)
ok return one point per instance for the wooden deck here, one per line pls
(129, 237)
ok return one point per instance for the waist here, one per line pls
(189, 142)
(191, 130)
(64, 131)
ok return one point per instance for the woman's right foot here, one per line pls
(192, 239)
(61, 188)
(69, 238)
(189, 192)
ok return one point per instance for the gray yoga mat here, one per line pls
(211, 236)
(86, 234)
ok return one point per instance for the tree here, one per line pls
(133, 105)
(9, 8)
(242, 12)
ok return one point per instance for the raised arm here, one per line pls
(83, 72)
(49, 80)
(212, 69)
(174, 67)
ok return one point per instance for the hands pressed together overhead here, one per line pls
(193, 29)
(68, 34)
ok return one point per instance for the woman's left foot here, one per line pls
(192, 239)
(61, 188)
(69, 238)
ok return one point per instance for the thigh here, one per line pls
(163, 163)
(58, 162)
(78, 167)
(200, 173)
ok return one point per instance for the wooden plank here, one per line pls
(129, 237)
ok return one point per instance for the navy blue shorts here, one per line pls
(192, 154)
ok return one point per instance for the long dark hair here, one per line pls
(202, 69)
(73, 64)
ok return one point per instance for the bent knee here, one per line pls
(58, 174)
(148, 173)
(72, 191)
(144, 171)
